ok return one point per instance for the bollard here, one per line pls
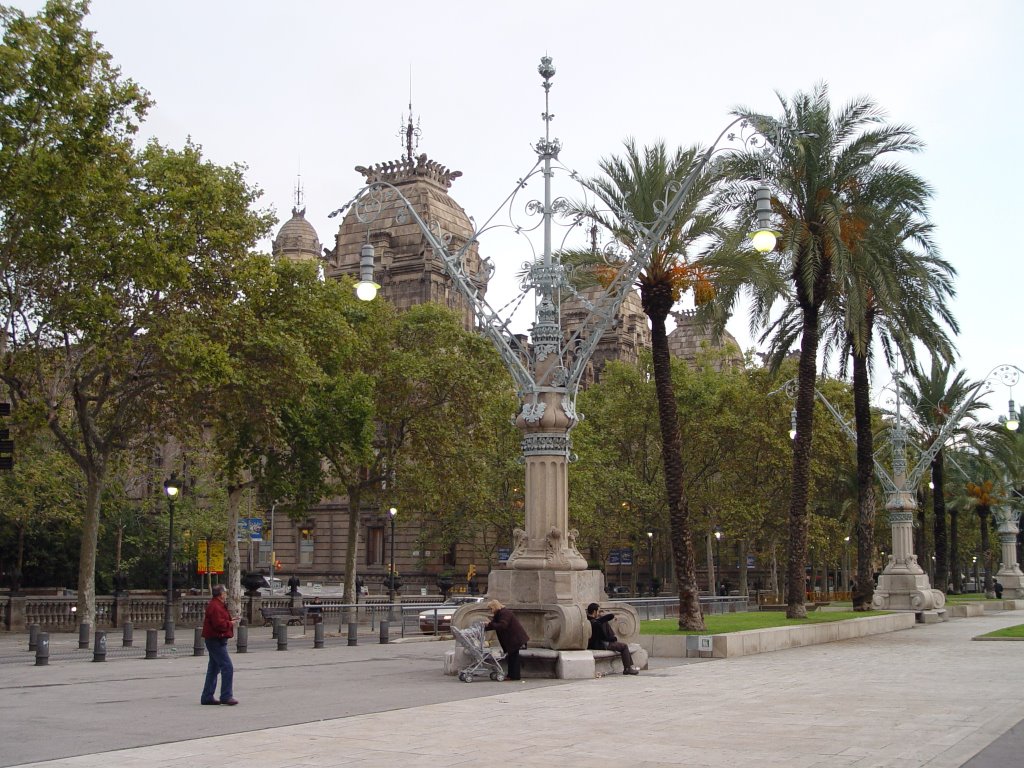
(83, 636)
(282, 637)
(43, 649)
(318, 635)
(169, 633)
(384, 634)
(197, 643)
(243, 639)
(99, 646)
(151, 643)
(33, 636)
(353, 633)
(126, 638)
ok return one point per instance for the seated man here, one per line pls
(603, 639)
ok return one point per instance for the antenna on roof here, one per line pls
(407, 131)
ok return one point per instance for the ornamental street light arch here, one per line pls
(546, 580)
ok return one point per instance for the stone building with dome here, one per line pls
(297, 239)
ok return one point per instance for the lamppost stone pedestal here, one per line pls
(1009, 573)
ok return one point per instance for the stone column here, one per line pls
(1009, 573)
(546, 580)
(903, 585)
(15, 620)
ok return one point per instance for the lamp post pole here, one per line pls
(171, 488)
(650, 560)
(718, 560)
(391, 567)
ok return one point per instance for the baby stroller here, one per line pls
(484, 662)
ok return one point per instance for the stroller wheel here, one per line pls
(466, 678)
(497, 677)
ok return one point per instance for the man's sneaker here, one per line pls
(631, 671)
(229, 702)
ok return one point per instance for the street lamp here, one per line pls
(366, 289)
(792, 424)
(718, 557)
(650, 561)
(391, 568)
(171, 487)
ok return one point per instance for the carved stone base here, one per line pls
(1013, 583)
(552, 606)
(906, 592)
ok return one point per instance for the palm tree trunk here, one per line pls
(939, 524)
(984, 511)
(797, 549)
(954, 550)
(864, 588)
(690, 617)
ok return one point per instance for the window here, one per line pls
(375, 545)
(306, 546)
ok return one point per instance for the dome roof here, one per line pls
(297, 239)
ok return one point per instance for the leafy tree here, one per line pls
(816, 164)
(42, 495)
(256, 381)
(103, 248)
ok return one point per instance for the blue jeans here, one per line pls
(219, 663)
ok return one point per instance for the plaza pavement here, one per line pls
(927, 696)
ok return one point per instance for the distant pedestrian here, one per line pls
(999, 590)
(511, 635)
(603, 639)
(218, 628)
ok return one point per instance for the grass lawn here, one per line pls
(970, 597)
(1017, 631)
(720, 624)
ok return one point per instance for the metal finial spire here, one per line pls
(408, 131)
(298, 195)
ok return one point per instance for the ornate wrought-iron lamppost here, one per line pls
(545, 563)
(171, 487)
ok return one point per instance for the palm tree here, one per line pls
(828, 186)
(933, 399)
(635, 187)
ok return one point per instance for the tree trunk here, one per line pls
(796, 558)
(864, 588)
(942, 559)
(986, 554)
(232, 566)
(954, 550)
(87, 555)
(657, 301)
(349, 594)
(709, 552)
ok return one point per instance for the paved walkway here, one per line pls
(927, 696)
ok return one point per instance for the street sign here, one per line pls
(210, 557)
(250, 529)
(504, 553)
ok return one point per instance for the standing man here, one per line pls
(603, 639)
(218, 628)
(511, 635)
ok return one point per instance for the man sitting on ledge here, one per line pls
(603, 639)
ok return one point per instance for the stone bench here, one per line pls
(560, 665)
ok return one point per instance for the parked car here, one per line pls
(443, 613)
(276, 583)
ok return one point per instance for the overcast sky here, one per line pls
(317, 87)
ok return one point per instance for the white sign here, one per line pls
(704, 643)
